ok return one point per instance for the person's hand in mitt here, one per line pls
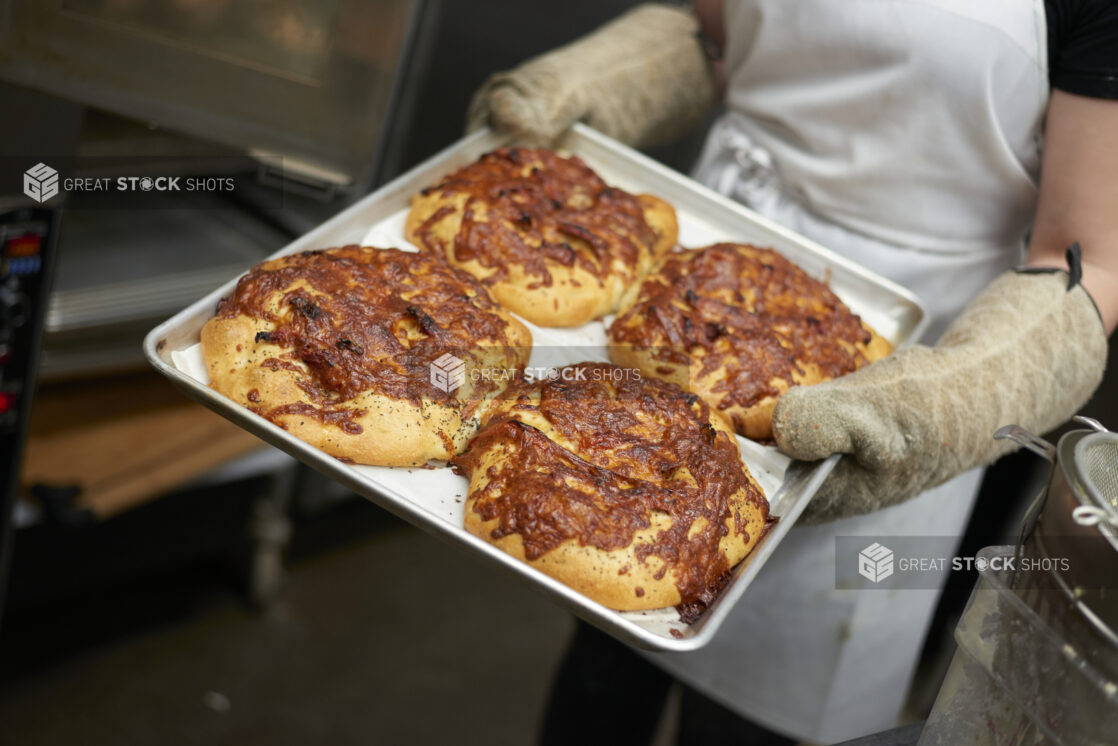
(643, 79)
(1029, 350)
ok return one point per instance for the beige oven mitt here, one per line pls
(1029, 350)
(642, 79)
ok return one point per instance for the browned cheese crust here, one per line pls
(627, 490)
(551, 240)
(739, 326)
(336, 347)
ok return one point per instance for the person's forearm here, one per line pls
(1079, 196)
(1100, 280)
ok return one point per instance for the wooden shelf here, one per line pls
(124, 440)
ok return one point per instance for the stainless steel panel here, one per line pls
(311, 80)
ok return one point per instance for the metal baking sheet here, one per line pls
(433, 499)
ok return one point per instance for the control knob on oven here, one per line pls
(15, 310)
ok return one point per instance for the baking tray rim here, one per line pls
(809, 475)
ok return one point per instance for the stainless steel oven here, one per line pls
(206, 82)
(310, 80)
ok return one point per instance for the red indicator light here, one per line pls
(26, 245)
(7, 401)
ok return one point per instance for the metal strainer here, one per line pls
(1037, 661)
(1097, 458)
(1069, 539)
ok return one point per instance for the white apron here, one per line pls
(904, 134)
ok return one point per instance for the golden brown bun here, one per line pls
(551, 241)
(336, 346)
(739, 326)
(626, 490)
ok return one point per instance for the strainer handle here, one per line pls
(1090, 422)
(1089, 515)
(1023, 437)
(1044, 449)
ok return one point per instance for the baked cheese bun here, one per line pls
(347, 349)
(626, 489)
(739, 326)
(544, 233)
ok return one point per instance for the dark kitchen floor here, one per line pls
(381, 635)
